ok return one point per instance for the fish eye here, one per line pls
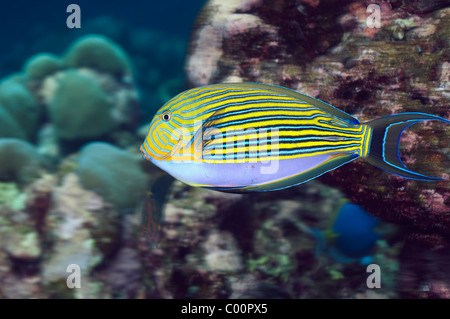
(166, 116)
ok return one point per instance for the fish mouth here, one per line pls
(148, 158)
(144, 154)
(152, 158)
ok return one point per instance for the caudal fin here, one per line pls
(384, 144)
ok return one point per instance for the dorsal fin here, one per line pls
(303, 97)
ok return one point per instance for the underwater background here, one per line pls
(75, 192)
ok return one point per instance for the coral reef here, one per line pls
(238, 246)
(9, 126)
(49, 220)
(83, 205)
(221, 253)
(98, 52)
(423, 270)
(83, 228)
(19, 160)
(325, 49)
(85, 101)
(42, 65)
(21, 105)
(113, 173)
(44, 228)
(123, 274)
(80, 108)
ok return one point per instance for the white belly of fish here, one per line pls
(240, 174)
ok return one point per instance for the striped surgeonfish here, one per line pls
(243, 137)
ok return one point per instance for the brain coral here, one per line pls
(20, 104)
(80, 108)
(98, 52)
(9, 126)
(112, 172)
(19, 160)
(41, 65)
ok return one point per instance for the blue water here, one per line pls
(22, 20)
(31, 27)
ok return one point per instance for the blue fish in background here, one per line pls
(351, 236)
